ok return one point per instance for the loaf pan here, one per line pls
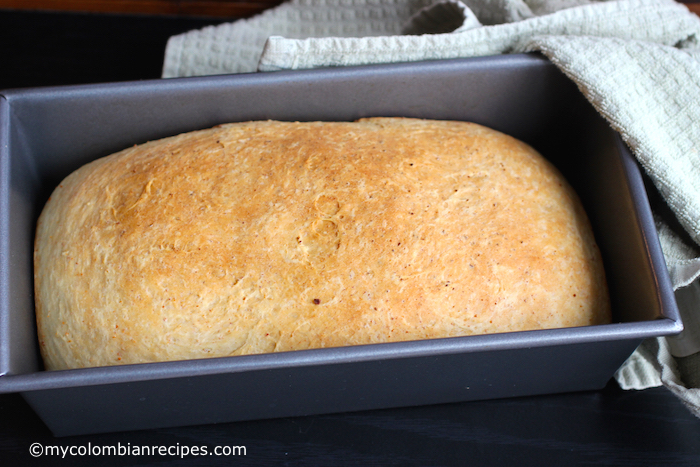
(46, 133)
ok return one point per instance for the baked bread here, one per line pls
(271, 236)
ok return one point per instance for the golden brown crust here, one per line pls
(270, 236)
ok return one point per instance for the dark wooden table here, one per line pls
(606, 427)
(609, 428)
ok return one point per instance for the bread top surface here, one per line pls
(273, 236)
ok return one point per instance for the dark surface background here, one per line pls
(46, 49)
(610, 427)
(607, 427)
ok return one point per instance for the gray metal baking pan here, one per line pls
(46, 133)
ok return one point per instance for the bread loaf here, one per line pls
(272, 236)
